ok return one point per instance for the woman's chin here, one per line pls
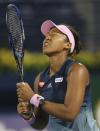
(48, 53)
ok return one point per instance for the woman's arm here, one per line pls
(77, 80)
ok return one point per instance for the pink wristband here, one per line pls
(35, 100)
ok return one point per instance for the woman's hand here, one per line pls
(24, 91)
(25, 110)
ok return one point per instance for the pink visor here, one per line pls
(48, 24)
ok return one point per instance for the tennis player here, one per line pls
(61, 97)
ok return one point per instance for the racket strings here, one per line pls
(15, 29)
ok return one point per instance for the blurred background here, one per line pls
(83, 15)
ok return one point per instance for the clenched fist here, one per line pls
(25, 110)
(24, 91)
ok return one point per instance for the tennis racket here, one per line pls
(16, 36)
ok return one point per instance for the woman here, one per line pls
(62, 90)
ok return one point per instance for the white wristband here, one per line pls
(35, 100)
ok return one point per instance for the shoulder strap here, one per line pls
(68, 65)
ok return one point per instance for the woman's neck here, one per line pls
(56, 62)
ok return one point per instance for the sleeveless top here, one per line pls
(54, 88)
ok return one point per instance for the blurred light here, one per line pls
(97, 113)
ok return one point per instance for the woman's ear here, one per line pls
(67, 45)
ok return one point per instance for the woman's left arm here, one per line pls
(77, 80)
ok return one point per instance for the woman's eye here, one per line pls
(53, 35)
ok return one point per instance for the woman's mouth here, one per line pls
(45, 44)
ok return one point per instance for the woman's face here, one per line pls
(54, 42)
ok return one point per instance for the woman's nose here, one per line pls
(48, 37)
